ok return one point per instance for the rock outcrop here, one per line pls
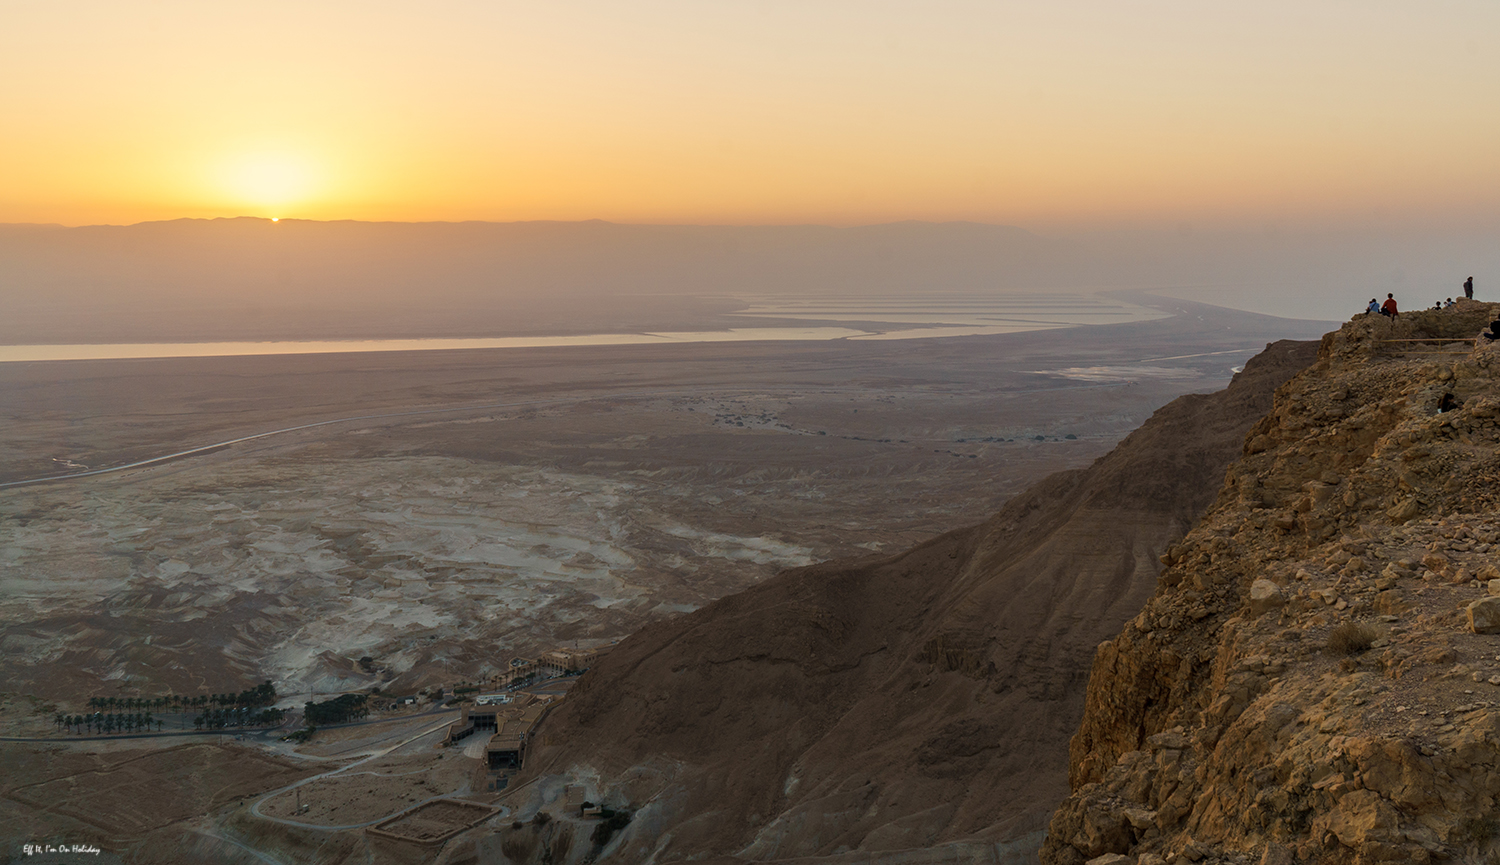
(920, 702)
(1317, 677)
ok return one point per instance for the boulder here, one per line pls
(1484, 616)
(1391, 603)
(1265, 595)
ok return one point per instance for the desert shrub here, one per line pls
(517, 826)
(607, 827)
(1350, 638)
(542, 818)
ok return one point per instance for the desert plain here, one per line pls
(431, 515)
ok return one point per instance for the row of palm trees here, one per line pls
(261, 695)
(215, 711)
(243, 716)
(107, 722)
(123, 722)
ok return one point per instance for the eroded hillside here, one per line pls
(1317, 677)
(917, 703)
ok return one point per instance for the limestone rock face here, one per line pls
(1358, 720)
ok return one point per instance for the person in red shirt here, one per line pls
(1389, 307)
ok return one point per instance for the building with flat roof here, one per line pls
(508, 725)
(507, 747)
(559, 661)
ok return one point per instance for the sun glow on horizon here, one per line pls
(750, 113)
(268, 179)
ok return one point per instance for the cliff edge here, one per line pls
(916, 706)
(1317, 676)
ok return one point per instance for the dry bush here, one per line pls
(1350, 638)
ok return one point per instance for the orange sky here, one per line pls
(841, 111)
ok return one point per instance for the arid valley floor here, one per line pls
(476, 506)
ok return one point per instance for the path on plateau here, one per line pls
(255, 808)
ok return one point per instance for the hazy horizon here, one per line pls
(249, 278)
(1291, 159)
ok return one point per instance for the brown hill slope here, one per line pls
(901, 702)
(1317, 678)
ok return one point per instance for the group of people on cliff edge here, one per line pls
(1389, 310)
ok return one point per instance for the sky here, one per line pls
(1065, 114)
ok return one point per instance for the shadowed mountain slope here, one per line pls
(923, 700)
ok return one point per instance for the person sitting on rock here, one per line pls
(1373, 308)
(1448, 304)
(1388, 309)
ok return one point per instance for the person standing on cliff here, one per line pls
(1389, 307)
(1469, 288)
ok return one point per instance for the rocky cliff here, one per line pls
(1317, 675)
(920, 702)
